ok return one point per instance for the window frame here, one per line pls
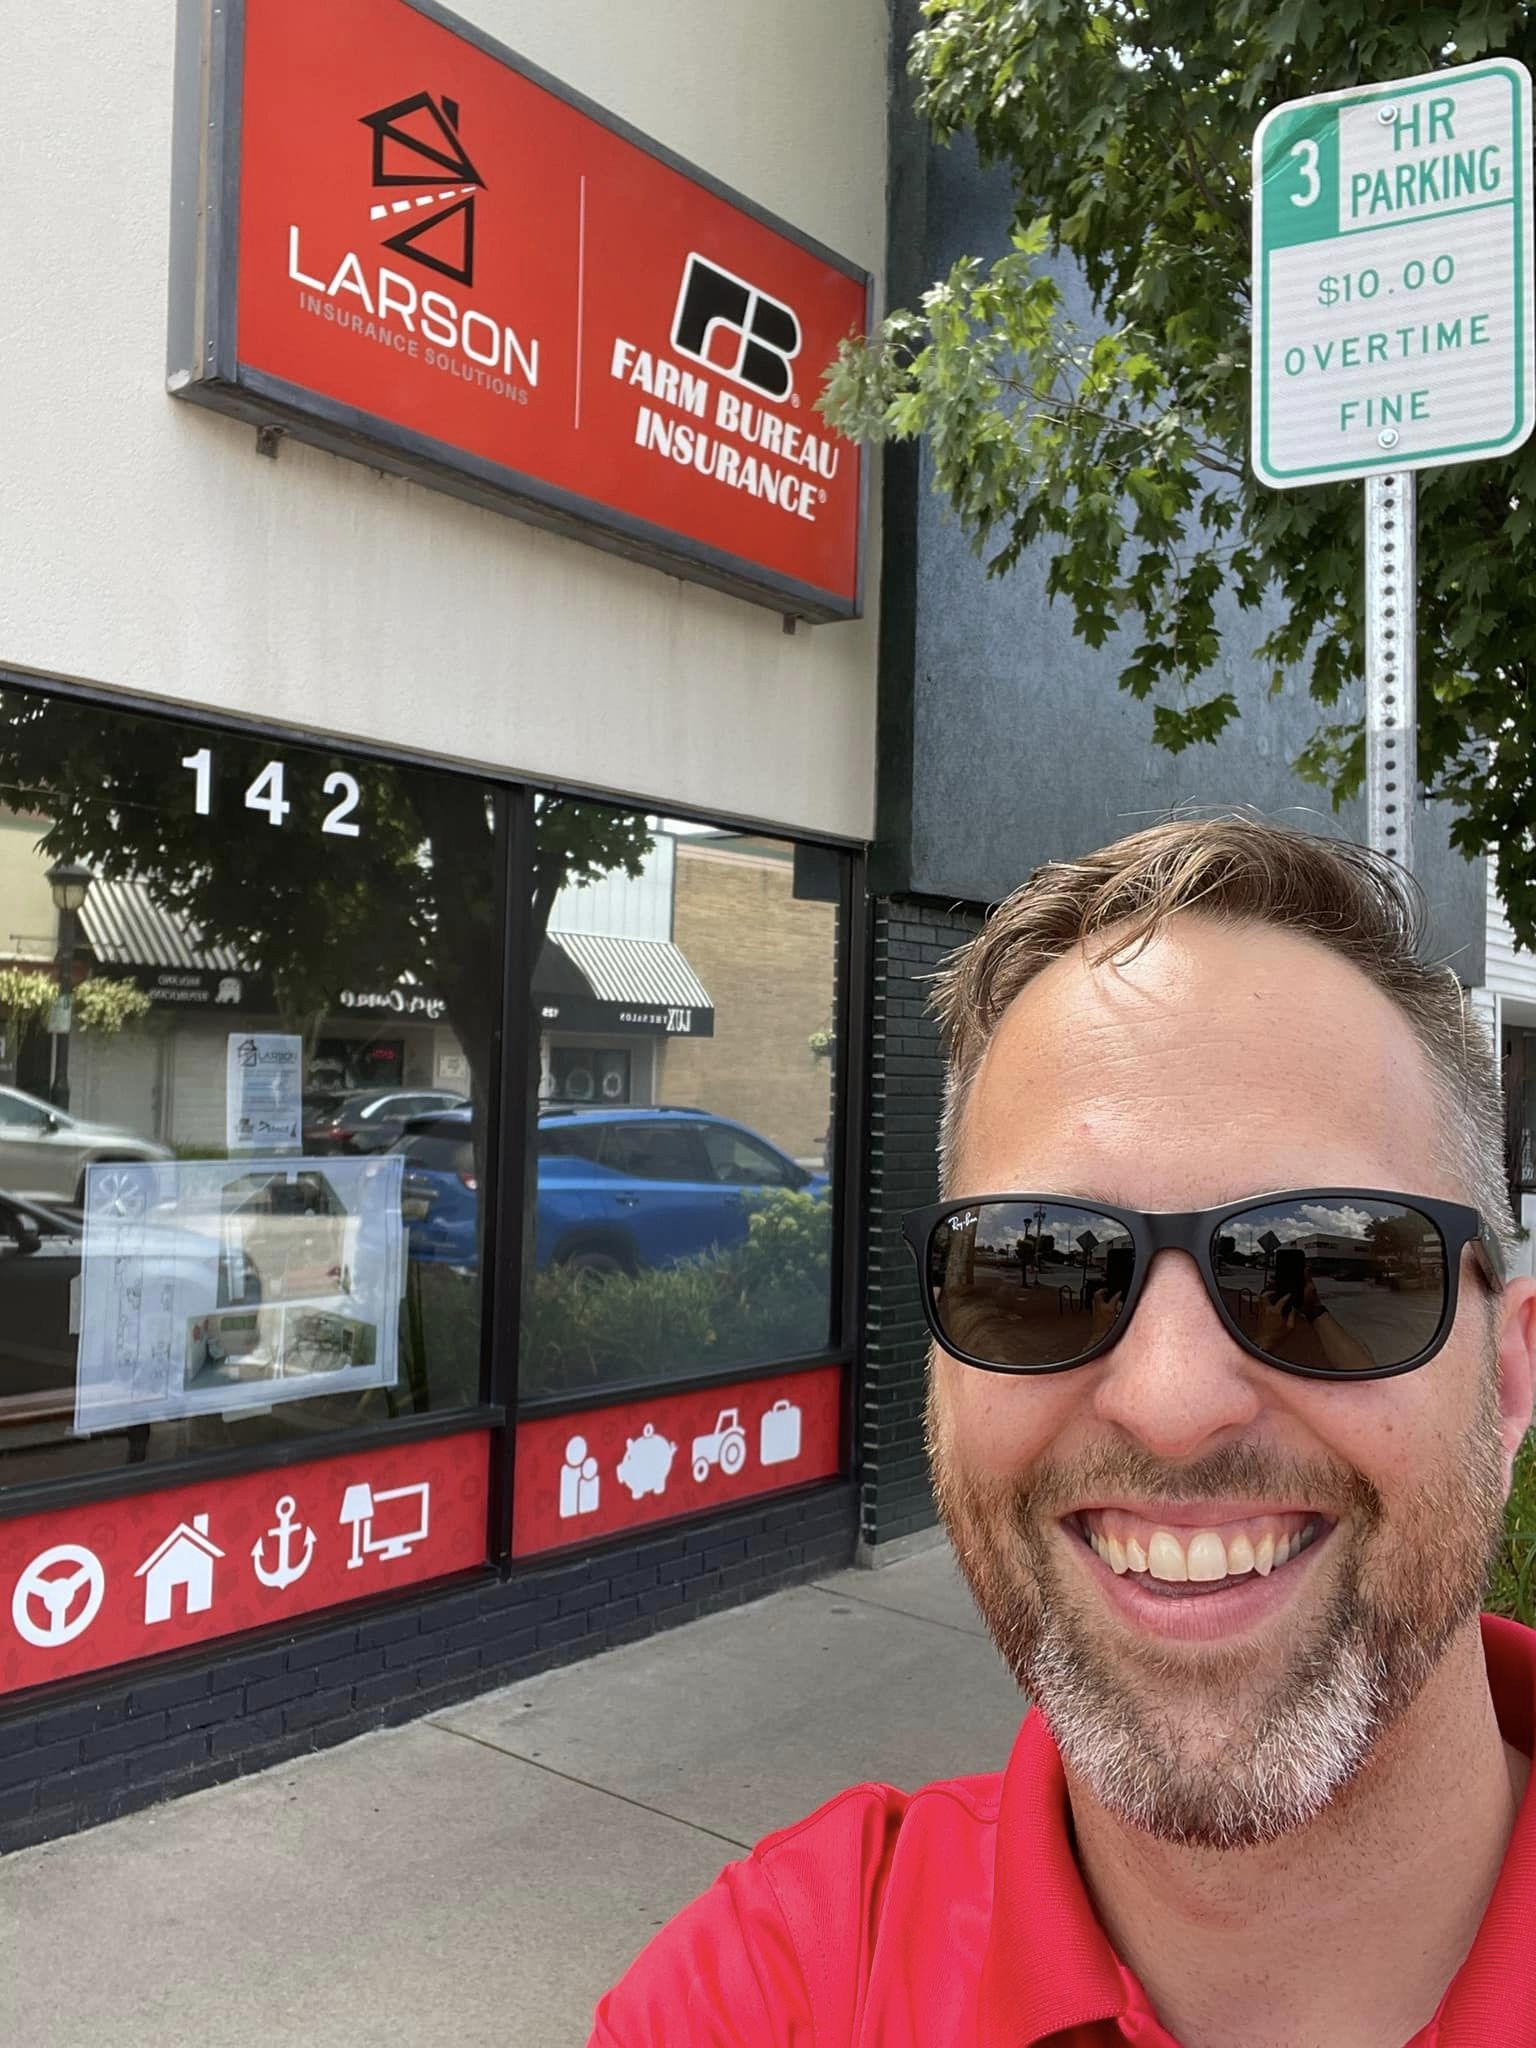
(510, 1167)
(783, 1166)
(632, 1133)
(850, 1023)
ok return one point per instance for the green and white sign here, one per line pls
(1392, 277)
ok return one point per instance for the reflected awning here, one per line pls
(125, 927)
(132, 935)
(591, 982)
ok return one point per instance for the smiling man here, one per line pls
(1225, 1392)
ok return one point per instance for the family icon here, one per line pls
(579, 1481)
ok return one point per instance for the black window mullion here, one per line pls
(513, 1178)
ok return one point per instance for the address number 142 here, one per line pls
(266, 794)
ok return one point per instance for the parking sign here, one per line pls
(1392, 284)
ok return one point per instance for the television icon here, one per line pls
(360, 1504)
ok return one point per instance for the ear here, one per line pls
(1517, 1366)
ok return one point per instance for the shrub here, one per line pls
(764, 1298)
(439, 1340)
(1512, 1581)
(105, 1006)
(26, 996)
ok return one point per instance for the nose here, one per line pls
(1176, 1381)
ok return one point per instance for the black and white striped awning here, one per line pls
(585, 981)
(621, 984)
(125, 927)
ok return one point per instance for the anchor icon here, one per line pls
(287, 1570)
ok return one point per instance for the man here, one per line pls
(1225, 1506)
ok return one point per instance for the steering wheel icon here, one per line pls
(56, 1592)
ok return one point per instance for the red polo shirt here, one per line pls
(955, 1917)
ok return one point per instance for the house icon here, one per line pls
(185, 1558)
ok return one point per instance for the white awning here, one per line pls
(125, 927)
(635, 972)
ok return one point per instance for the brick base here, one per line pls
(906, 1096)
(70, 1761)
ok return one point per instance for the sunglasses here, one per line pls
(1330, 1283)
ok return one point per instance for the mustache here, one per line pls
(1055, 1487)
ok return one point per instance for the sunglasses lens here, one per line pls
(1028, 1285)
(1341, 1285)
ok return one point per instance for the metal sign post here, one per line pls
(1393, 332)
(1391, 663)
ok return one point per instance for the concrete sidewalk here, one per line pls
(475, 1880)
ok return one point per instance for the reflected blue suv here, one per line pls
(618, 1189)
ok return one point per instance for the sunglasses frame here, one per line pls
(1194, 1231)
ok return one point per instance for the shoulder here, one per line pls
(776, 1954)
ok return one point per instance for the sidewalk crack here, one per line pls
(586, 1784)
(976, 1635)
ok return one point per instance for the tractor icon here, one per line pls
(725, 1446)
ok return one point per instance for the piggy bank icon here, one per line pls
(646, 1463)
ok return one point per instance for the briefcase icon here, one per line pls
(779, 1440)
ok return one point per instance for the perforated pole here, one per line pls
(1391, 663)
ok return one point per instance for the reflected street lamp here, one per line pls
(70, 882)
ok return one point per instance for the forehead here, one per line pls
(1221, 1060)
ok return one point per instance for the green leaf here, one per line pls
(1118, 441)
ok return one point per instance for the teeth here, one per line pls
(1207, 1557)
(1202, 1558)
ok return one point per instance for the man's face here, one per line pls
(1220, 1063)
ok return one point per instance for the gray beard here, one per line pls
(1244, 1757)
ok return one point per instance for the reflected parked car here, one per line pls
(44, 1151)
(618, 1189)
(369, 1119)
(440, 1192)
(41, 1254)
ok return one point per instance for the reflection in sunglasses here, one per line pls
(1346, 1286)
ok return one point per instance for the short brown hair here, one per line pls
(1236, 869)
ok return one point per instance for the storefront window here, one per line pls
(683, 1006)
(248, 1006)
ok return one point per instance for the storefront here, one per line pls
(431, 1005)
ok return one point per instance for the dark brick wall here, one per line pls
(67, 1762)
(906, 1078)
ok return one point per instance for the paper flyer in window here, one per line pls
(216, 1285)
(263, 1092)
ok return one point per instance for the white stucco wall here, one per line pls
(145, 546)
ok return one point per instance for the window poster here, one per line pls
(223, 1284)
(263, 1105)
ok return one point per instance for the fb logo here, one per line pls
(730, 326)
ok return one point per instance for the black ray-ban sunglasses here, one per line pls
(1331, 1283)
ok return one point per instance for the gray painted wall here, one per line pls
(1005, 740)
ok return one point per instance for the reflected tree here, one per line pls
(410, 898)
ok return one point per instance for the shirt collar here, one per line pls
(1049, 1965)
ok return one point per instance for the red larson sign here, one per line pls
(443, 254)
(604, 1470)
(86, 1587)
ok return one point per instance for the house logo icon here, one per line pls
(419, 160)
(731, 327)
(183, 1562)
